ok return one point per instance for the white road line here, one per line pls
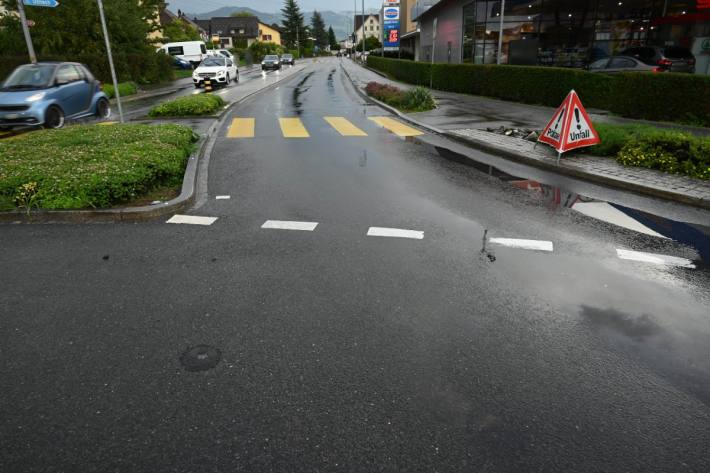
(654, 258)
(537, 245)
(287, 225)
(192, 220)
(395, 233)
(223, 197)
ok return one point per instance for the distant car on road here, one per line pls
(271, 62)
(222, 52)
(219, 69)
(615, 64)
(192, 51)
(288, 59)
(182, 63)
(672, 58)
(49, 93)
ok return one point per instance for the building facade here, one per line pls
(369, 28)
(567, 33)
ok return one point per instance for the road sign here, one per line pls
(570, 127)
(41, 3)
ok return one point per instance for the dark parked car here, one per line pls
(180, 63)
(271, 62)
(672, 58)
(288, 59)
(613, 64)
(49, 93)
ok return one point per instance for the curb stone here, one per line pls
(522, 158)
(195, 166)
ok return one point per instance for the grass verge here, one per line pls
(124, 88)
(417, 99)
(670, 151)
(183, 73)
(91, 166)
(193, 105)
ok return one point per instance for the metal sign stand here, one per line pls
(110, 60)
(26, 31)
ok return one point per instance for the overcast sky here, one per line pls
(269, 6)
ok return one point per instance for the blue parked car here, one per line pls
(183, 64)
(50, 93)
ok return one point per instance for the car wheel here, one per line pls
(103, 109)
(54, 117)
(197, 86)
(237, 78)
(229, 80)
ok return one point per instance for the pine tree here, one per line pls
(292, 24)
(318, 30)
(332, 40)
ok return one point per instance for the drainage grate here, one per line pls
(200, 358)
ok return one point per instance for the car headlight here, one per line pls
(220, 73)
(36, 97)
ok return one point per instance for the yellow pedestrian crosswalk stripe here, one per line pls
(344, 127)
(396, 127)
(242, 128)
(293, 128)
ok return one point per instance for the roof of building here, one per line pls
(359, 20)
(231, 25)
(426, 7)
(166, 16)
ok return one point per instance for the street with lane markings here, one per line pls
(363, 298)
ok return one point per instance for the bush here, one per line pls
(669, 151)
(417, 99)
(91, 166)
(615, 137)
(672, 97)
(194, 105)
(124, 88)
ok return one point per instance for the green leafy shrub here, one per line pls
(91, 166)
(193, 105)
(668, 97)
(417, 99)
(668, 151)
(615, 137)
(124, 88)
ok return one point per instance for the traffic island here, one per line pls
(90, 169)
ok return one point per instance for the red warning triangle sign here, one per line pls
(570, 127)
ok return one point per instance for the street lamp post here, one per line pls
(110, 60)
(26, 31)
(500, 32)
(363, 31)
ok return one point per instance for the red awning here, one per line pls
(682, 19)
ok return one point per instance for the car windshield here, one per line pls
(213, 62)
(287, 56)
(271, 58)
(30, 76)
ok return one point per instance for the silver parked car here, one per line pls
(613, 64)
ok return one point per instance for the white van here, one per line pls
(192, 51)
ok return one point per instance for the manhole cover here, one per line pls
(200, 358)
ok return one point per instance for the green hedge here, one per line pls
(125, 88)
(662, 97)
(149, 68)
(91, 166)
(192, 105)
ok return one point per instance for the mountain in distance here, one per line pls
(342, 22)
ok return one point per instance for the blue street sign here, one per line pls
(41, 3)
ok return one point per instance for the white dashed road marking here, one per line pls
(536, 245)
(192, 220)
(286, 225)
(223, 197)
(395, 233)
(655, 259)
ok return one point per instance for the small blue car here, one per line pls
(50, 93)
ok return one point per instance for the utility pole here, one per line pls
(354, 29)
(298, 43)
(363, 31)
(26, 31)
(110, 60)
(500, 32)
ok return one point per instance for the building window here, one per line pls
(266, 37)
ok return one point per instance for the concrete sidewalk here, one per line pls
(465, 119)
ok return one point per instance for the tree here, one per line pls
(74, 28)
(180, 30)
(242, 14)
(370, 43)
(292, 26)
(334, 45)
(320, 36)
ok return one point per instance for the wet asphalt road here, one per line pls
(344, 352)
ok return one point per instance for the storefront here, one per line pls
(568, 33)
